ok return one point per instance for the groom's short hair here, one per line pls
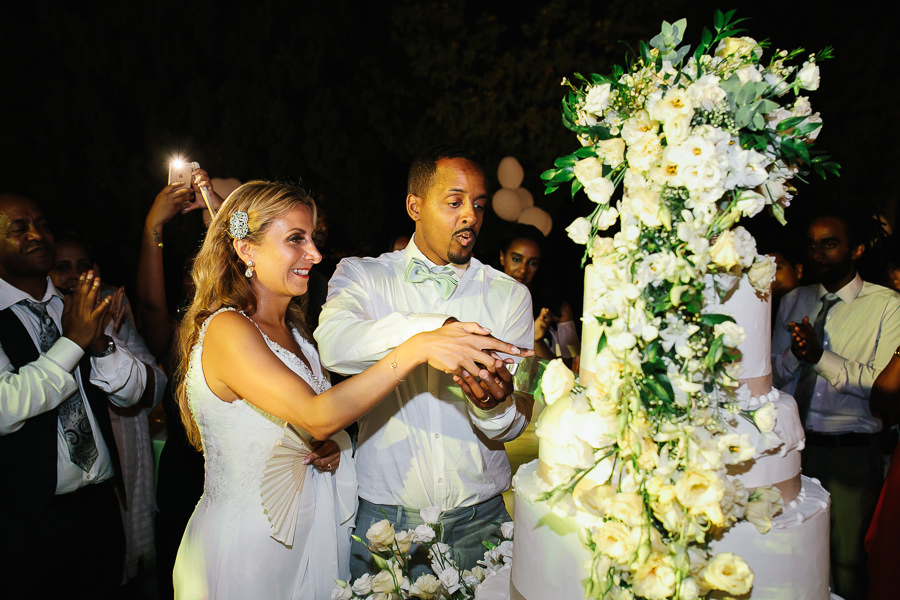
(424, 166)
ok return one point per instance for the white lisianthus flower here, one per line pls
(600, 190)
(383, 582)
(750, 203)
(644, 152)
(706, 93)
(602, 246)
(764, 503)
(450, 579)
(422, 534)
(655, 578)
(606, 219)
(745, 244)
(732, 333)
(627, 507)
(677, 128)
(729, 573)
(762, 274)
(597, 99)
(430, 514)
(637, 126)
(611, 151)
(765, 417)
(381, 596)
(579, 230)
(736, 448)
(644, 204)
(699, 489)
(363, 585)
(723, 253)
(507, 529)
(738, 47)
(404, 540)
(343, 592)
(748, 73)
(808, 77)
(425, 587)
(381, 535)
(617, 540)
(557, 381)
(674, 103)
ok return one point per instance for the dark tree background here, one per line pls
(97, 98)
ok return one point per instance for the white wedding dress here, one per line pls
(239, 545)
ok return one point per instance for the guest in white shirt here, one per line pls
(830, 341)
(62, 532)
(438, 440)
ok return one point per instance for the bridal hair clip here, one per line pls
(237, 224)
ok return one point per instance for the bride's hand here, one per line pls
(458, 347)
(326, 456)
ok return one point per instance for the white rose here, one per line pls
(677, 128)
(597, 99)
(381, 535)
(655, 578)
(363, 585)
(579, 230)
(728, 573)
(611, 151)
(557, 381)
(809, 76)
(765, 417)
(422, 534)
(748, 73)
(750, 203)
(706, 93)
(450, 579)
(762, 274)
(383, 582)
(430, 514)
(425, 587)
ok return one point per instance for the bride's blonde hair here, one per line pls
(218, 273)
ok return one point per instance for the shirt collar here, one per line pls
(10, 295)
(848, 293)
(412, 251)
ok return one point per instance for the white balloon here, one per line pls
(510, 173)
(506, 204)
(537, 217)
(525, 197)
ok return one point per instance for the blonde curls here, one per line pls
(218, 272)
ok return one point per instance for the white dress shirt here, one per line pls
(425, 444)
(47, 382)
(861, 333)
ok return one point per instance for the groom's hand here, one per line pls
(326, 456)
(488, 389)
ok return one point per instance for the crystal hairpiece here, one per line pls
(237, 225)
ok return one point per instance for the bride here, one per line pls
(275, 514)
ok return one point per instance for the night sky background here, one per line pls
(97, 97)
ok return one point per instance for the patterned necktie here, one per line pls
(806, 383)
(72, 414)
(443, 277)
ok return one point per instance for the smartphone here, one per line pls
(180, 172)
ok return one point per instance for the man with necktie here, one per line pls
(62, 531)
(830, 341)
(438, 440)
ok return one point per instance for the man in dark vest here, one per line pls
(60, 528)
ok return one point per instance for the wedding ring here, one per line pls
(329, 466)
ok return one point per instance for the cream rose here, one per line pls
(579, 231)
(762, 274)
(808, 77)
(617, 540)
(742, 47)
(765, 503)
(655, 578)
(425, 587)
(557, 381)
(381, 535)
(422, 534)
(697, 489)
(729, 573)
(383, 582)
(765, 417)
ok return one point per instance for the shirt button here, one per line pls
(440, 480)
(437, 436)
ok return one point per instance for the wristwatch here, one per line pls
(110, 348)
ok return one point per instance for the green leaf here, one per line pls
(601, 343)
(789, 123)
(711, 320)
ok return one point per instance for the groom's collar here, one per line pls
(412, 251)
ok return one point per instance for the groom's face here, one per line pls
(450, 215)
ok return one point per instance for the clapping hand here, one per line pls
(804, 342)
(85, 314)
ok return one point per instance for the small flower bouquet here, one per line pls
(675, 149)
(390, 551)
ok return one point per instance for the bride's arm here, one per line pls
(237, 363)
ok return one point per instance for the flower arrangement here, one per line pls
(696, 141)
(391, 553)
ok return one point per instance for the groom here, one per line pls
(438, 439)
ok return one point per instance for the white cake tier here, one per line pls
(790, 561)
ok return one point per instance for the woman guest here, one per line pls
(253, 393)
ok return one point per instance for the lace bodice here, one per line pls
(238, 437)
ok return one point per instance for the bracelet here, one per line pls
(897, 351)
(394, 366)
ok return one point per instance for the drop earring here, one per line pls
(249, 272)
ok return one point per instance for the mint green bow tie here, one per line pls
(443, 277)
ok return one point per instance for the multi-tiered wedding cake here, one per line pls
(670, 468)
